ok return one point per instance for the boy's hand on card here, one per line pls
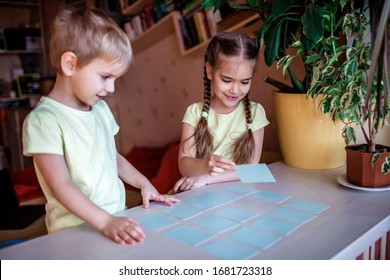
(123, 230)
(149, 193)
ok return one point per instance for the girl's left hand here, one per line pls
(149, 193)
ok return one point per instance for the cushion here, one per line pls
(27, 187)
(26, 176)
(29, 194)
(168, 173)
(146, 160)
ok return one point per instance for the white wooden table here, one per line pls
(352, 223)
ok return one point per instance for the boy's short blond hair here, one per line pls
(90, 34)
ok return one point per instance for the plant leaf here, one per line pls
(326, 106)
(335, 57)
(208, 4)
(252, 3)
(350, 134)
(312, 58)
(287, 64)
(281, 6)
(386, 166)
(272, 48)
(375, 159)
(306, 43)
(313, 23)
(282, 61)
(327, 71)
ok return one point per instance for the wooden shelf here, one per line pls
(235, 22)
(157, 32)
(171, 24)
(19, 4)
(5, 52)
(31, 13)
(134, 8)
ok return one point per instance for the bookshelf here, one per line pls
(166, 26)
(171, 23)
(235, 22)
(134, 8)
(20, 17)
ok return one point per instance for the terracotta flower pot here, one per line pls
(360, 171)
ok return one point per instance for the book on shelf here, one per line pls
(163, 7)
(129, 28)
(203, 26)
(198, 25)
(137, 24)
(185, 32)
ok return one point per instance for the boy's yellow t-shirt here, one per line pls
(86, 140)
(226, 128)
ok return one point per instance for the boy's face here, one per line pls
(93, 82)
(230, 82)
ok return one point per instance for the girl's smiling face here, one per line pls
(230, 82)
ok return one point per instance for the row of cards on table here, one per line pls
(225, 230)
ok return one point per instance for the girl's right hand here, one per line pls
(218, 165)
(188, 183)
(123, 230)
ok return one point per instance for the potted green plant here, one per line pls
(308, 138)
(353, 81)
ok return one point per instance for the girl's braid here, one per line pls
(203, 138)
(207, 91)
(248, 113)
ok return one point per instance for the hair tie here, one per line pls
(250, 126)
(205, 114)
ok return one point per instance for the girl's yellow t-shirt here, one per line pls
(226, 128)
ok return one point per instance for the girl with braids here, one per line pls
(226, 128)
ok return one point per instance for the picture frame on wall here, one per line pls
(28, 84)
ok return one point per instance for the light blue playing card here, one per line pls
(211, 200)
(214, 223)
(229, 250)
(252, 173)
(240, 189)
(275, 225)
(236, 214)
(292, 215)
(271, 196)
(254, 238)
(156, 221)
(307, 206)
(189, 235)
(181, 211)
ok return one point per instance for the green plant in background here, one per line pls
(353, 79)
(348, 72)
